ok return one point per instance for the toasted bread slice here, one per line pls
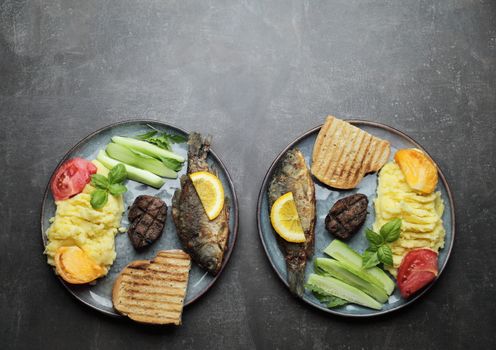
(153, 291)
(343, 154)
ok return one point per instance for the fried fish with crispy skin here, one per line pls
(205, 240)
(292, 175)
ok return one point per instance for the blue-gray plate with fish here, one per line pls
(98, 294)
(336, 281)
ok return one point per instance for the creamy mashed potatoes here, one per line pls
(422, 226)
(77, 223)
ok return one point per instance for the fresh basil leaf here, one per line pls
(99, 198)
(117, 189)
(369, 259)
(117, 174)
(99, 181)
(374, 238)
(372, 248)
(145, 136)
(172, 163)
(385, 255)
(391, 230)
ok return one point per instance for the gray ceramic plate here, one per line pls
(98, 296)
(326, 197)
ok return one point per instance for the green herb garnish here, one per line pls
(378, 250)
(329, 300)
(99, 198)
(162, 139)
(172, 163)
(112, 184)
(117, 174)
(146, 135)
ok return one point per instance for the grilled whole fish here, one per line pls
(205, 240)
(292, 175)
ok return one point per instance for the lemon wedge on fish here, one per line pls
(210, 191)
(285, 220)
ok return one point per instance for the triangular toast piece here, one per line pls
(343, 154)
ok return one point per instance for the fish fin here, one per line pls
(175, 197)
(227, 204)
(310, 244)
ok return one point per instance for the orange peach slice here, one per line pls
(75, 266)
(419, 170)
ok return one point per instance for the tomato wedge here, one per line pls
(71, 177)
(418, 268)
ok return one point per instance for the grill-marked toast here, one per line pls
(153, 291)
(343, 154)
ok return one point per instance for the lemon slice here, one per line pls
(210, 191)
(285, 220)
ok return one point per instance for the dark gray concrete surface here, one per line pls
(255, 74)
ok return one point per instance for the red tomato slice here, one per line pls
(71, 177)
(418, 268)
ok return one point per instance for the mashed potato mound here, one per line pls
(422, 226)
(93, 230)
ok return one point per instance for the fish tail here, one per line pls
(198, 146)
(296, 278)
(197, 152)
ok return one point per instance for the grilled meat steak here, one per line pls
(292, 175)
(347, 215)
(205, 240)
(147, 216)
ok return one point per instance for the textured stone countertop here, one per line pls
(255, 74)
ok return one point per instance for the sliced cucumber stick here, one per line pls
(335, 287)
(353, 277)
(146, 148)
(133, 173)
(343, 253)
(125, 155)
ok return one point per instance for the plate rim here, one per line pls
(86, 138)
(357, 123)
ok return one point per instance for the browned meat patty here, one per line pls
(347, 215)
(147, 217)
